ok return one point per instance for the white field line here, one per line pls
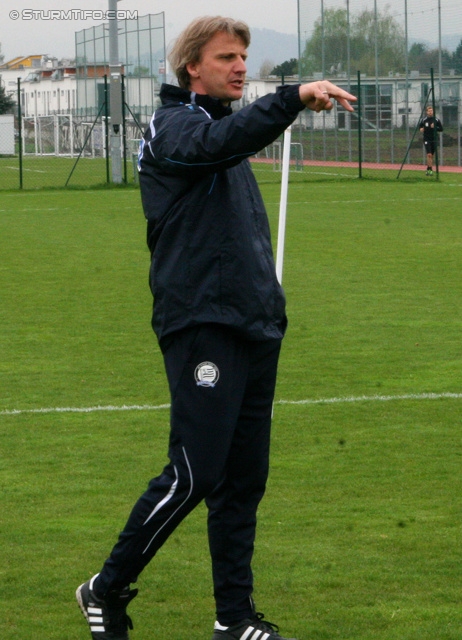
(26, 169)
(362, 201)
(149, 407)
(407, 396)
(134, 407)
(30, 210)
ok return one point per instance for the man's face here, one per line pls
(220, 73)
(430, 112)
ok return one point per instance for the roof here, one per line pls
(21, 61)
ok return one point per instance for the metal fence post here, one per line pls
(360, 141)
(124, 132)
(20, 134)
(435, 128)
(106, 126)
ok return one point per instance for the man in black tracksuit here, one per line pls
(430, 126)
(219, 315)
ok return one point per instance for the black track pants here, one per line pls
(222, 389)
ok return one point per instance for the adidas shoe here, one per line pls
(254, 628)
(107, 617)
(429, 172)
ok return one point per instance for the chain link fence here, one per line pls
(60, 129)
(384, 130)
(396, 56)
(65, 149)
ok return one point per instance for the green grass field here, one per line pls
(39, 172)
(360, 531)
(56, 172)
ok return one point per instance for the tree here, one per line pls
(6, 101)
(141, 71)
(363, 33)
(423, 59)
(415, 53)
(390, 43)
(287, 68)
(329, 41)
(457, 58)
(265, 68)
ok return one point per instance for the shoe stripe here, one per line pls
(259, 634)
(97, 619)
(97, 629)
(96, 610)
(247, 633)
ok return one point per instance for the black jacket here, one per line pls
(429, 131)
(207, 229)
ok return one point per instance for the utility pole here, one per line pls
(115, 92)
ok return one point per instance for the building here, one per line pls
(48, 85)
(386, 103)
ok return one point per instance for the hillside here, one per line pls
(270, 45)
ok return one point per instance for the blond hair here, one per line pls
(188, 46)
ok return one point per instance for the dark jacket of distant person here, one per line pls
(428, 130)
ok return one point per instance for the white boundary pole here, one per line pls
(283, 203)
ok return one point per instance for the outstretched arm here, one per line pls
(317, 96)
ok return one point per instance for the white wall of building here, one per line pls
(43, 96)
(406, 98)
(7, 134)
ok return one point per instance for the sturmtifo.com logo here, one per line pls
(72, 14)
(206, 374)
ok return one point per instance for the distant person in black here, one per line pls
(427, 127)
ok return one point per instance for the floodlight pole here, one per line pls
(283, 203)
(299, 43)
(435, 128)
(115, 92)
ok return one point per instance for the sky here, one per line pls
(21, 36)
(56, 37)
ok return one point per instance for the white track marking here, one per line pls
(309, 401)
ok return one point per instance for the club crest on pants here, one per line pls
(206, 374)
